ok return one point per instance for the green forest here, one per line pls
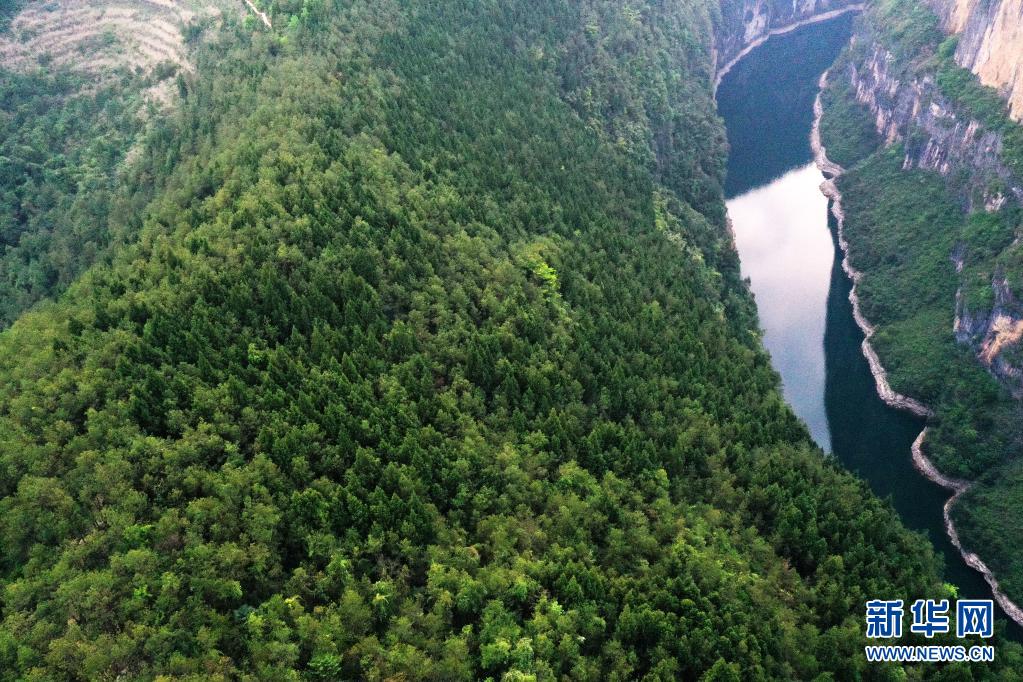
(64, 183)
(413, 346)
(903, 227)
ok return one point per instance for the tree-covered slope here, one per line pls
(63, 181)
(82, 82)
(421, 368)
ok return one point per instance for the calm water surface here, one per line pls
(782, 234)
(788, 250)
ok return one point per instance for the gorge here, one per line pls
(814, 329)
(408, 340)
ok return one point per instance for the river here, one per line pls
(789, 251)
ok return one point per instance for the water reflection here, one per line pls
(781, 232)
(780, 220)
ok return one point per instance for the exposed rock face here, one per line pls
(993, 332)
(747, 24)
(911, 110)
(990, 43)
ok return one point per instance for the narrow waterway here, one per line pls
(789, 251)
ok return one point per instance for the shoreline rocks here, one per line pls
(923, 464)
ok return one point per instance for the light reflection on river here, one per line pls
(781, 232)
(786, 248)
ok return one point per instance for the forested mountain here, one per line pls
(429, 359)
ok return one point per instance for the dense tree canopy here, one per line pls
(431, 360)
(64, 186)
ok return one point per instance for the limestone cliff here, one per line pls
(990, 43)
(909, 107)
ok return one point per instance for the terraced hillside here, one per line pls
(98, 36)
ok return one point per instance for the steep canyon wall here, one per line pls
(990, 43)
(941, 129)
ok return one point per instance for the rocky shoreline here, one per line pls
(720, 72)
(829, 188)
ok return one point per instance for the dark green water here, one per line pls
(781, 222)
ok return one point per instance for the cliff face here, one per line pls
(909, 108)
(990, 43)
(994, 333)
(746, 23)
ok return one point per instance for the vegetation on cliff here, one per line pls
(932, 269)
(912, 32)
(846, 127)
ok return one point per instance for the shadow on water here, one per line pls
(873, 440)
(868, 436)
(767, 104)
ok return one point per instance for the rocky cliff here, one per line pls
(994, 332)
(908, 107)
(990, 43)
(744, 24)
(903, 92)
